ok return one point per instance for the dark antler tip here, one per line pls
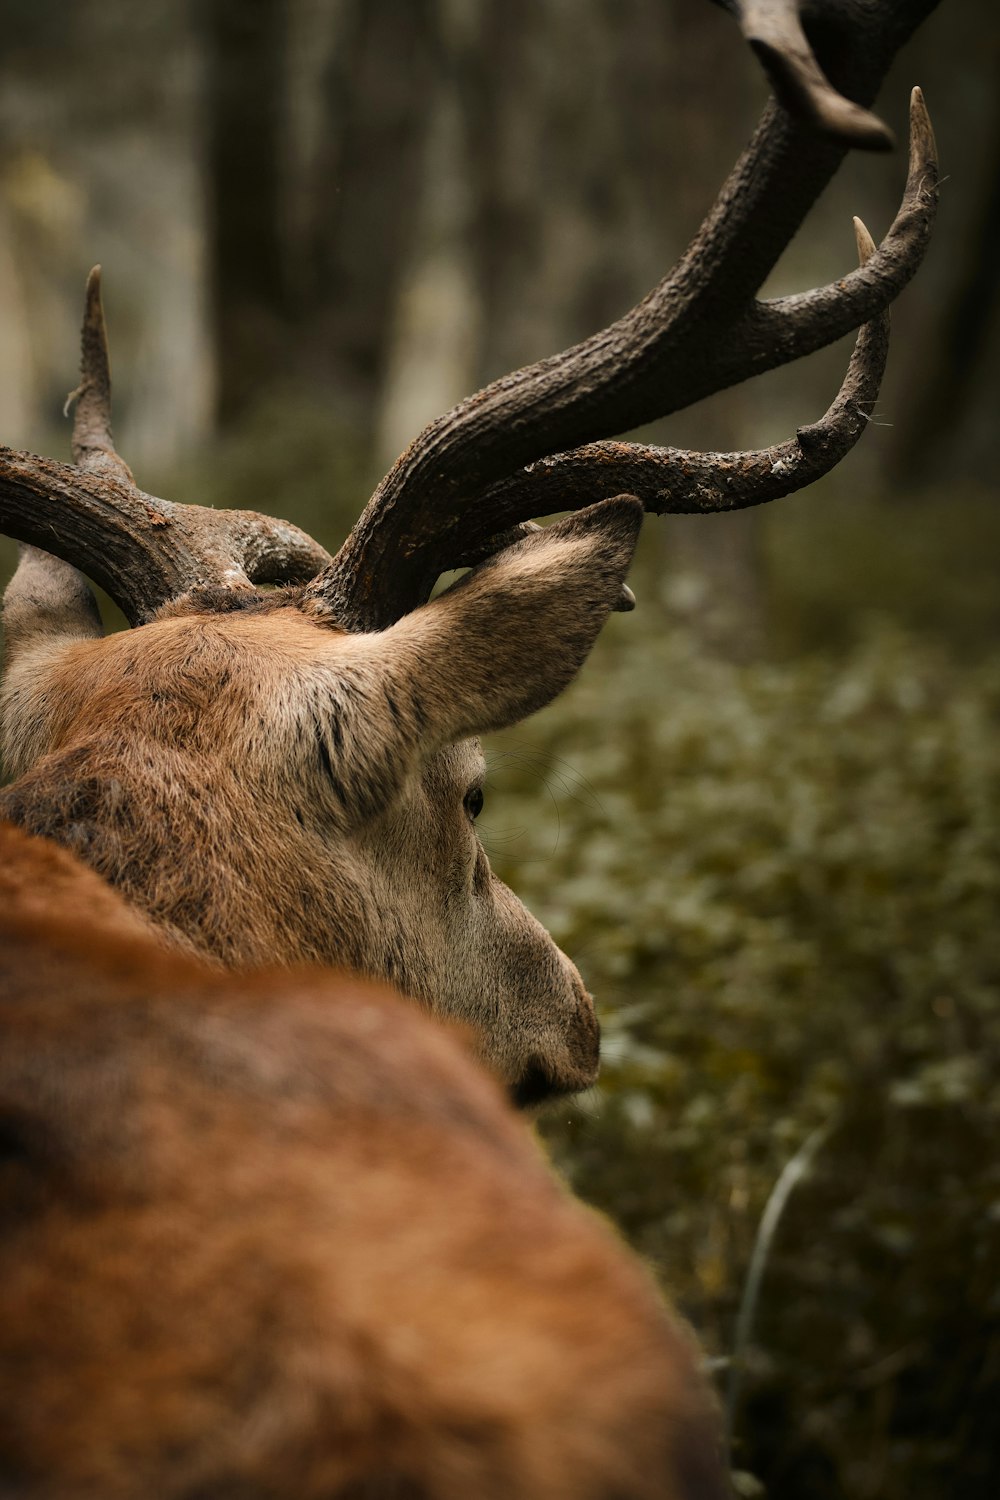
(93, 332)
(847, 121)
(93, 315)
(805, 91)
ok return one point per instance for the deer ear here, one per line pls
(499, 645)
(508, 637)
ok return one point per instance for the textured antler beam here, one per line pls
(145, 551)
(700, 330)
(677, 481)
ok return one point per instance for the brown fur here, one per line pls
(274, 1234)
(271, 790)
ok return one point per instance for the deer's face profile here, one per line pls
(272, 789)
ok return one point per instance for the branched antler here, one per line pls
(699, 331)
(537, 440)
(682, 481)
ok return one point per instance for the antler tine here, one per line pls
(143, 550)
(803, 323)
(679, 481)
(773, 30)
(92, 444)
(699, 331)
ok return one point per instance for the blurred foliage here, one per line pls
(833, 557)
(782, 881)
(289, 457)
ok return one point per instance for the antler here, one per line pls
(679, 481)
(487, 464)
(143, 550)
(531, 442)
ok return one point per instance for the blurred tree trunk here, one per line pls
(377, 107)
(312, 304)
(548, 235)
(487, 74)
(245, 52)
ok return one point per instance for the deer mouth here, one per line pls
(535, 1086)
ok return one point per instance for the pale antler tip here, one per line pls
(92, 296)
(923, 146)
(865, 243)
(859, 127)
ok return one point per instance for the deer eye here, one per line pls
(474, 802)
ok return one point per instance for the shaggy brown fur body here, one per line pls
(274, 1234)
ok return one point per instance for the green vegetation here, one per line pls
(783, 883)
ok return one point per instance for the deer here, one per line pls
(278, 765)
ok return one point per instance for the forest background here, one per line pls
(766, 818)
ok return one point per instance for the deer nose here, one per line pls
(570, 1065)
(584, 1034)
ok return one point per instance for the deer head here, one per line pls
(284, 776)
(273, 789)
